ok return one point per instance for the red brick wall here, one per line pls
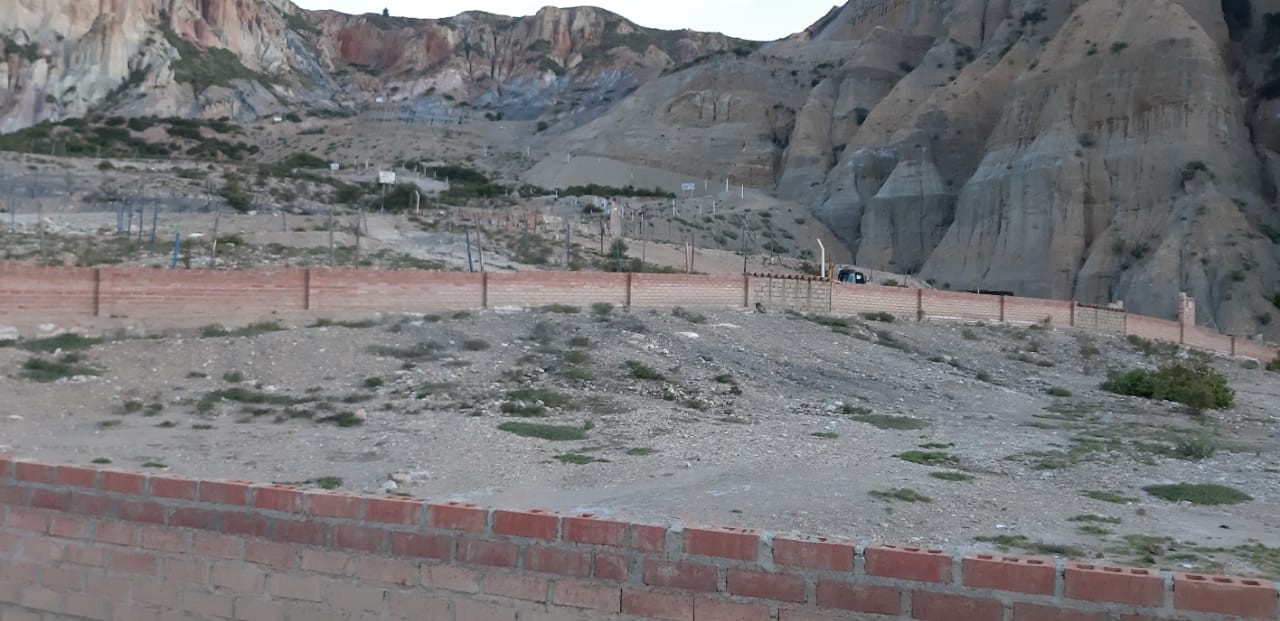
(33, 295)
(364, 291)
(50, 293)
(854, 299)
(950, 305)
(83, 543)
(156, 293)
(687, 290)
(1033, 310)
(530, 289)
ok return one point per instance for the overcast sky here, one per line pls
(762, 20)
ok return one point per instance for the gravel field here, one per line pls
(707, 417)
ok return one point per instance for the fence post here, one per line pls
(306, 288)
(484, 289)
(1073, 314)
(629, 275)
(1001, 308)
(97, 292)
(1233, 345)
(919, 304)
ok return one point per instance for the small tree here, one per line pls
(386, 13)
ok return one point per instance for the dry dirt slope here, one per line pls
(714, 428)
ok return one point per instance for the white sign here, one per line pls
(688, 187)
(380, 100)
(334, 166)
(386, 176)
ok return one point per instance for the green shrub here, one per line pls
(1198, 387)
(602, 309)
(45, 371)
(879, 316)
(1198, 493)
(903, 494)
(563, 309)
(557, 433)
(65, 341)
(928, 458)
(1058, 392)
(689, 315)
(640, 370)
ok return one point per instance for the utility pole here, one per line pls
(155, 215)
(480, 244)
(331, 253)
(744, 246)
(466, 231)
(568, 241)
(213, 244)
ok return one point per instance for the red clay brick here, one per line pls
(666, 606)
(1242, 597)
(328, 562)
(529, 588)
(296, 531)
(28, 520)
(421, 546)
(50, 499)
(13, 494)
(90, 503)
(76, 476)
(647, 538)
(102, 585)
(245, 523)
(43, 549)
(202, 519)
(735, 543)
(1105, 583)
(115, 532)
(908, 563)
(257, 609)
(388, 570)
(928, 606)
(204, 603)
(68, 527)
(612, 566)
(1009, 573)
(392, 510)
(550, 560)
(859, 597)
(813, 552)
(123, 482)
(359, 538)
(717, 610)
(85, 555)
(482, 552)
(237, 577)
(457, 516)
(6, 466)
(790, 614)
(356, 598)
(534, 523)
(579, 594)
(418, 606)
(173, 487)
(33, 472)
(290, 586)
(782, 587)
(482, 611)
(677, 575)
(134, 562)
(216, 546)
(450, 578)
(286, 498)
(1035, 612)
(140, 511)
(159, 538)
(62, 580)
(586, 528)
(330, 504)
(190, 570)
(277, 555)
(87, 606)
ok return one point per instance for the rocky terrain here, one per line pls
(849, 427)
(1101, 150)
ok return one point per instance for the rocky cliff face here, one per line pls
(1099, 150)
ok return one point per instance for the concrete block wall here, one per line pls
(31, 296)
(86, 543)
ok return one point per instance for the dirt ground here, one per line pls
(713, 422)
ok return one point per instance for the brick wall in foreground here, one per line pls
(33, 295)
(84, 543)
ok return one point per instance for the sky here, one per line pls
(762, 20)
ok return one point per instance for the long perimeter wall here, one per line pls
(66, 297)
(87, 543)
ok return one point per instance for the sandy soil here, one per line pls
(724, 438)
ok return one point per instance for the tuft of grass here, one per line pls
(724, 378)
(579, 373)
(342, 419)
(936, 445)
(576, 357)
(108, 424)
(641, 451)
(642, 371)
(563, 309)
(983, 376)
(1058, 392)
(45, 371)
(1249, 365)
(524, 410)
(546, 396)
(168, 424)
(928, 458)
(475, 344)
(578, 459)
(602, 309)
(329, 482)
(735, 420)
(1040, 547)
(101, 461)
(1195, 447)
(969, 335)
(1094, 529)
(1109, 496)
(900, 493)
(233, 377)
(65, 342)
(202, 427)
(132, 406)
(579, 341)
(688, 315)
(951, 476)
(826, 435)
(555, 433)
(1198, 493)
(1094, 518)
(890, 422)
(372, 382)
(253, 329)
(880, 316)
(197, 375)
(357, 324)
(427, 350)
(154, 464)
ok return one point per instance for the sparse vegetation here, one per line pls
(947, 475)
(903, 494)
(255, 329)
(1039, 547)
(1057, 391)
(602, 309)
(928, 458)
(101, 461)
(329, 482)
(557, 433)
(1198, 493)
(1109, 496)
(887, 421)
(563, 309)
(233, 377)
(1198, 387)
(578, 459)
(880, 316)
(65, 342)
(372, 382)
(688, 315)
(475, 345)
(642, 371)
(825, 435)
(45, 371)
(641, 451)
